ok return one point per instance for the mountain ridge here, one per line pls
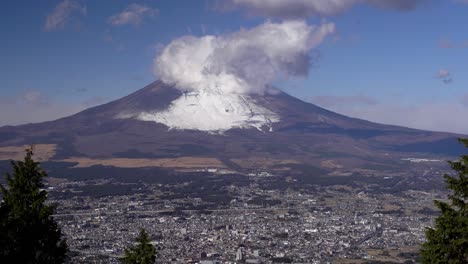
(304, 134)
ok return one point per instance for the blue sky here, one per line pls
(399, 65)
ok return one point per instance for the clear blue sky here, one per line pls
(406, 67)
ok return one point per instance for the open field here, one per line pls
(183, 162)
(42, 152)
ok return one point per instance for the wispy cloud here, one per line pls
(33, 98)
(307, 8)
(444, 75)
(445, 43)
(134, 14)
(62, 13)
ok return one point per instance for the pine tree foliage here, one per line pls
(28, 233)
(447, 242)
(142, 253)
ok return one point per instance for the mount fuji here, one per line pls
(161, 126)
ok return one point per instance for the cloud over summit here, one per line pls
(241, 62)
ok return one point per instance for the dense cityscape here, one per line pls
(323, 224)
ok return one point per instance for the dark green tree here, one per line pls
(28, 233)
(447, 242)
(142, 253)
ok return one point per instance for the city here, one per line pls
(322, 224)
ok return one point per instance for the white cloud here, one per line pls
(307, 8)
(133, 14)
(428, 116)
(61, 14)
(241, 62)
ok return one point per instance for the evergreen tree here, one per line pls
(447, 242)
(142, 253)
(28, 233)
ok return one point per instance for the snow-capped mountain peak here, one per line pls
(212, 110)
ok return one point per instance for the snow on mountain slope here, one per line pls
(212, 111)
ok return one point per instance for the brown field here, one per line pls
(42, 152)
(331, 164)
(340, 173)
(183, 162)
(382, 255)
(256, 162)
(391, 207)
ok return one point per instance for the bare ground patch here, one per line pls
(42, 152)
(183, 162)
(259, 162)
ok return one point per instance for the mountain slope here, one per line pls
(271, 130)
